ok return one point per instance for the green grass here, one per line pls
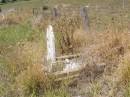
(61, 92)
(127, 91)
(14, 34)
(26, 4)
(38, 3)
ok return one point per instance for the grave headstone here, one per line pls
(51, 55)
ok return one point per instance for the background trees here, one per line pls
(5, 1)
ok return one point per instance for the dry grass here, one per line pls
(110, 48)
(66, 31)
(65, 28)
(32, 81)
(124, 70)
(13, 18)
(23, 55)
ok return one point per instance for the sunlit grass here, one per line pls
(14, 34)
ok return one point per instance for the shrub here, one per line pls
(65, 28)
(36, 82)
(32, 81)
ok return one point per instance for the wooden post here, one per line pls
(35, 11)
(85, 18)
(123, 4)
(55, 12)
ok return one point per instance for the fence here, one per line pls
(94, 17)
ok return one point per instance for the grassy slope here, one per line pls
(35, 3)
(106, 9)
(14, 34)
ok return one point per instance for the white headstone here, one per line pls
(51, 55)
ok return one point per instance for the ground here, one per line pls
(23, 48)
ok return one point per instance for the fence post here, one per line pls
(55, 12)
(123, 4)
(85, 18)
(35, 11)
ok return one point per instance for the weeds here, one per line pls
(22, 44)
(124, 69)
(95, 90)
(33, 81)
(61, 92)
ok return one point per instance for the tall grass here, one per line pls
(23, 45)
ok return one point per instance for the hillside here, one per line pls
(38, 3)
(92, 48)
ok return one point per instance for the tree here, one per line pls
(3, 1)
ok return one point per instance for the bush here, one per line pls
(36, 82)
(65, 29)
(33, 81)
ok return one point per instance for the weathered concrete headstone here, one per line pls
(85, 18)
(51, 55)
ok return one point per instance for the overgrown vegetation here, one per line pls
(105, 49)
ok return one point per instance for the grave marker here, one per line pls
(51, 55)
